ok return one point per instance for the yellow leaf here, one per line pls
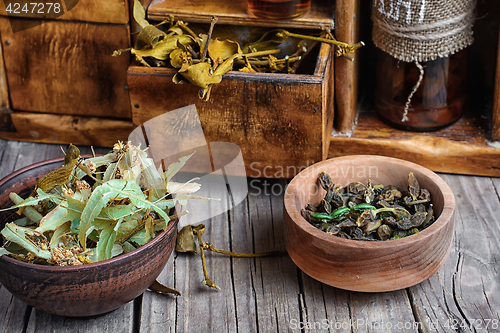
(149, 35)
(201, 75)
(223, 49)
(140, 14)
(163, 48)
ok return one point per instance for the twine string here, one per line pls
(464, 20)
(415, 88)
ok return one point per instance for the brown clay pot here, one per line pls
(363, 265)
(85, 290)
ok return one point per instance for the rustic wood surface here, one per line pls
(235, 13)
(271, 294)
(461, 148)
(66, 68)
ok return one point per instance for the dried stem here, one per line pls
(210, 31)
(209, 247)
(198, 230)
(343, 48)
(187, 29)
(266, 62)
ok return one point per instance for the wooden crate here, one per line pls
(64, 67)
(281, 122)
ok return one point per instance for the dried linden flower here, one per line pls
(82, 185)
(68, 192)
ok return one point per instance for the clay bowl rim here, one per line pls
(85, 267)
(444, 218)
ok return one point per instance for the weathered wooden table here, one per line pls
(271, 294)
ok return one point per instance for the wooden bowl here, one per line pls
(366, 265)
(78, 291)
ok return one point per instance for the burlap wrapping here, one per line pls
(422, 30)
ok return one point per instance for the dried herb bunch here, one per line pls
(371, 211)
(202, 60)
(96, 208)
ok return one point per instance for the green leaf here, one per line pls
(16, 234)
(175, 167)
(152, 179)
(139, 238)
(59, 233)
(28, 211)
(110, 172)
(117, 212)
(54, 219)
(116, 250)
(119, 188)
(57, 199)
(23, 221)
(166, 204)
(29, 201)
(97, 201)
(105, 243)
(128, 247)
(134, 193)
(98, 161)
(127, 226)
(3, 251)
(82, 195)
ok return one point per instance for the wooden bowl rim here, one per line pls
(445, 217)
(85, 267)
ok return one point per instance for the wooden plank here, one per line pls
(159, 312)
(275, 119)
(12, 312)
(120, 320)
(495, 119)
(382, 312)
(275, 279)
(330, 309)
(242, 241)
(67, 68)
(460, 148)
(50, 128)
(4, 89)
(102, 11)
(235, 13)
(200, 308)
(463, 295)
(346, 71)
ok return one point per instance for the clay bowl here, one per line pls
(364, 265)
(85, 290)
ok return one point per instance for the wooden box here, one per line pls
(281, 122)
(58, 81)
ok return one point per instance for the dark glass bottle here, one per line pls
(278, 9)
(438, 101)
